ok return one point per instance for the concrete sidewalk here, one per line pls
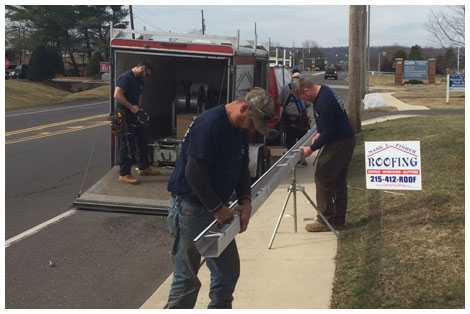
(400, 105)
(298, 271)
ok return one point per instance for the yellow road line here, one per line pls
(45, 126)
(47, 134)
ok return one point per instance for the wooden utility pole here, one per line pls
(355, 65)
(132, 20)
(363, 50)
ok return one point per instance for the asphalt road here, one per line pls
(340, 86)
(87, 259)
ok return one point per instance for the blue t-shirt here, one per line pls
(331, 118)
(223, 147)
(132, 87)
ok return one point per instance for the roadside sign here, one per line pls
(7, 63)
(455, 83)
(104, 67)
(393, 165)
(415, 69)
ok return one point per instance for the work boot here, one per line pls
(148, 172)
(128, 178)
(317, 226)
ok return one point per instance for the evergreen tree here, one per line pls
(93, 67)
(441, 64)
(400, 53)
(415, 53)
(39, 67)
(71, 28)
(55, 60)
(450, 58)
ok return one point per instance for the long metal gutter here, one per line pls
(214, 239)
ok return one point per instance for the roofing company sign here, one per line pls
(393, 165)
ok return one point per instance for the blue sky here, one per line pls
(328, 25)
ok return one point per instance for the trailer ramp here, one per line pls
(108, 194)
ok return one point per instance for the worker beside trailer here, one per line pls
(128, 94)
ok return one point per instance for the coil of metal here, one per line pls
(182, 99)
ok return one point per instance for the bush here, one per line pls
(44, 64)
(55, 60)
(414, 82)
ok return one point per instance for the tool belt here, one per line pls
(118, 122)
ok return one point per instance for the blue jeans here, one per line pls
(186, 220)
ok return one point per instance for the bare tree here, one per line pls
(448, 28)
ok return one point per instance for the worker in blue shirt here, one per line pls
(336, 135)
(213, 163)
(128, 94)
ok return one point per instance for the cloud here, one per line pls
(328, 25)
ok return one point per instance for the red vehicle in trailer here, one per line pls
(192, 73)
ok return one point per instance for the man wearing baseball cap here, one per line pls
(213, 163)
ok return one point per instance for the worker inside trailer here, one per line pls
(128, 94)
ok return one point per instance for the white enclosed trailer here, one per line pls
(192, 73)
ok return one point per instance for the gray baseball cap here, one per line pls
(262, 108)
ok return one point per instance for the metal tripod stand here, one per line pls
(293, 188)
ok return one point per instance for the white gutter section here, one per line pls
(214, 239)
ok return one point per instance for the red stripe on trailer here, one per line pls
(173, 46)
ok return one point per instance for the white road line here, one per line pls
(39, 227)
(64, 108)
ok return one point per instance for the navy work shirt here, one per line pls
(212, 138)
(132, 87)
(331, 118)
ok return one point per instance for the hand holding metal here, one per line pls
(214, 239)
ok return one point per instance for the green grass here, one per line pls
(23, 94)
(379, 109)
(432, 99)
(420, 262)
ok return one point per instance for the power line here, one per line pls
(143, 17)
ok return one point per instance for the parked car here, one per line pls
(20, 71)
(331, 72)
(10, 71)
(316, 69)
